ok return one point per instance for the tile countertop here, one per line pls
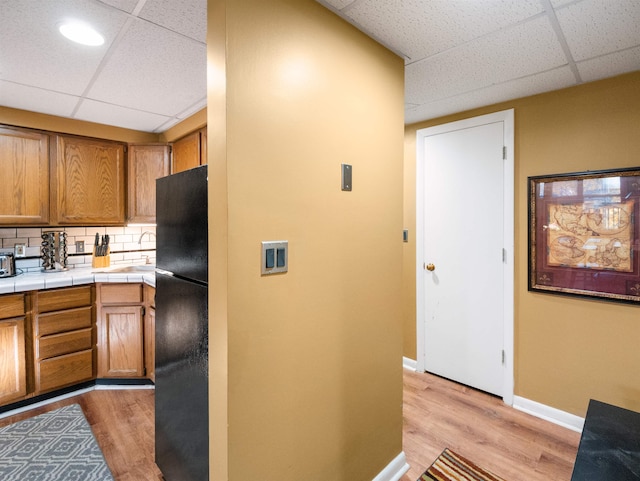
(33, 281)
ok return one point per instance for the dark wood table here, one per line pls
(610, 445)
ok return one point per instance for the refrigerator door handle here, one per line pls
(163, 272)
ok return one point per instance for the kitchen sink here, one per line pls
(132, 268)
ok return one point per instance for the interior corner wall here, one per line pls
(567, 350)
(314, 373)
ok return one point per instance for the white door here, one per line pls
(464, 263)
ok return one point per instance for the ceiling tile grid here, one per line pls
(127, 118)
(543, 82)
(153, 70)
(33, 53)
(184, 17)
(124, 5)
(520, 51)
(599, 27)
(149, 72)
(34, 99)
(459, 54)
(421, 28)
(608, 65)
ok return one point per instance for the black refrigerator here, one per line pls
(181, 391)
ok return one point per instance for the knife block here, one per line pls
(101, 261)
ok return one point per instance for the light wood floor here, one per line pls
(441, 414)
(437, 414)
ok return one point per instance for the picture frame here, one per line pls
(584, 234)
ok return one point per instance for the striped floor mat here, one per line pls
(452, 467)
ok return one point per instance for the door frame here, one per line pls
(507, 117)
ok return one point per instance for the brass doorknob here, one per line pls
(430, 267)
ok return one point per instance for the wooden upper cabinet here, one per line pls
(190, 151)
(24, 156)
(203, 146)
(146, 164)
(88, 182)
(186, 153)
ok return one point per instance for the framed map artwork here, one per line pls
(584, 234)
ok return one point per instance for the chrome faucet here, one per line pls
(146, 232)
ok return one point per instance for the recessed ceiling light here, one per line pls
(81, 33)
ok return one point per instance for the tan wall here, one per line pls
(567, 350)
(314, 374)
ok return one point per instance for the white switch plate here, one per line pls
(274, 257)
(20, 250)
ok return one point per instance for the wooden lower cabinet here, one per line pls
(150, 331)
(121, 349)
(122, 319)
(13, 371)
(57, 338)
(61, 371)
(64, 340)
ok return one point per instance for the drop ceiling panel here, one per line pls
(153, 70)
(33, 99)
(509, 54)
(597, 27)
(420, 28)
(543, 82)
(613, 64)
(34, 52)
(124, 5)
(460, 54)
(120, 116)
(185, 17)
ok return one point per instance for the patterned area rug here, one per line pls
(452, 467)
(55, 446)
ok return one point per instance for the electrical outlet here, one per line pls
(79, 247)
(20, 250)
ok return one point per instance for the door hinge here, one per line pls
(503, 357)
(504, 255)
(504, 152)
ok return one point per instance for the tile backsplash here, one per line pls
(128, 245)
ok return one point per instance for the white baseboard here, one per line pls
(97, 387)
(556, 416)
(409, 364)
(29, 407)
(122, 387)
(394, 470)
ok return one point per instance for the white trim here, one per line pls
(29, 407)
(542, 411)
(410, 364)
(122, 387)
(394, 470)
(509, 245)
(103, 387)
(507, 117)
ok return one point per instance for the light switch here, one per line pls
(269, 259)
(347, 177)
(274, 257)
